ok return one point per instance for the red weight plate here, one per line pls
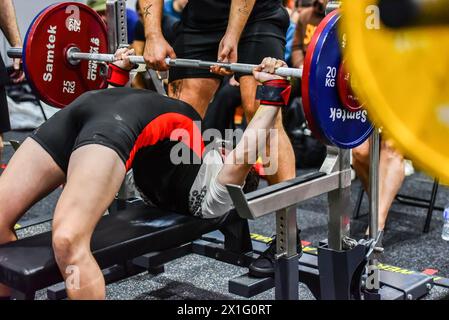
(311, 122)
(344, 84)
(53, 31)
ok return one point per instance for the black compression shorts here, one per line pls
(260, 39)
(139, 125)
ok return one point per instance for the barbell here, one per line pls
(74, 56)
(66, 41)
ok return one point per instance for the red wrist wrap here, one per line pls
(275, 92)
(117, 76)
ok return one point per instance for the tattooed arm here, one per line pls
(8, 25)
(156, 47)
(238, 17)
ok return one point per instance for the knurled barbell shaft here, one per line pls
(100, 57)
(74, 55)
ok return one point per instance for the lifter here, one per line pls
(90, 145)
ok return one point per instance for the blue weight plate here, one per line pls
(339, 126)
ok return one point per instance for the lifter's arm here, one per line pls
(156, 47)
(237, 164)
(238, 17)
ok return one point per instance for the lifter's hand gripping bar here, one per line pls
(73, 56)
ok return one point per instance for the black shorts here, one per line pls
(137, 125)
(260, 39)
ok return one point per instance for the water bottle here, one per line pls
(445, 233)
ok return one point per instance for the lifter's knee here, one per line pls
(69, 247)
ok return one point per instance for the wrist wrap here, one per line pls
(274, 92)
(117, 76)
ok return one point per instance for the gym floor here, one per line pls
(196, 278)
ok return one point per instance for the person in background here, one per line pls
(290, 5)
(174, 8)
(131, 16)
(391, 175)
(8, 25)
(131, 20)
(308, 20)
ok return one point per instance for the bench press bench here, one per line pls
(28, 265)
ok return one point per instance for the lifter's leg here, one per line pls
(198, 92)
(94, 176)
(30, 175)
(286, 167)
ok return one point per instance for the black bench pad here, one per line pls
(28, 265)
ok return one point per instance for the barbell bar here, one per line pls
(74, 55)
